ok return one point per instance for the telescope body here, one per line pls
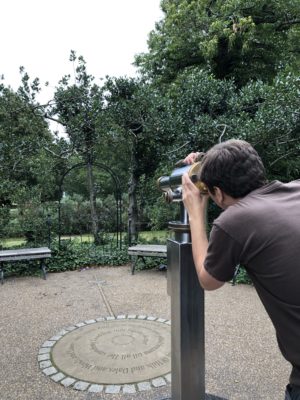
(171, 185)
(174, 180)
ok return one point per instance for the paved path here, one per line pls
(242, 359)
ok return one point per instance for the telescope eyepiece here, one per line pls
(171, 196)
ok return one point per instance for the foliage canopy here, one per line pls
(236, 39)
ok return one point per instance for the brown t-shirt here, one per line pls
(262, 233)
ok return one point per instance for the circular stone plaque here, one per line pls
(115, 351)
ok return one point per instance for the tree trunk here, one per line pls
(132, 200)
(132, 211)
(94, 216)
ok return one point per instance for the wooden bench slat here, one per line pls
(147, 253)
(24, 252)
(24, 257)
(147, 250)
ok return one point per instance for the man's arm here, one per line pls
(207, 281)
(196, 205)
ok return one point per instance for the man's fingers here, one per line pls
(187, 183)
(186, 179)
(190, 158)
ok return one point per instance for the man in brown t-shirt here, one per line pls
(259, 229)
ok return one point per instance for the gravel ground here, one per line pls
(242, 358)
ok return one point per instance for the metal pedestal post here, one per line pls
(187, 315)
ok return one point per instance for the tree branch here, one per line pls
(61, 156)
(283, 156)
(287, 24)
(289, 141)
(54, 119)
(178, 148)
(223, 132)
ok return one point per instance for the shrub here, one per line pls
(243, 277)
(72, 256)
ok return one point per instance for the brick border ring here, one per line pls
(49, 369)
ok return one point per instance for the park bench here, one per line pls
(146, 250)
(24, 255)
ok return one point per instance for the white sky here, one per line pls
(39, 35)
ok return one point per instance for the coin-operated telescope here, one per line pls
(187, 296)
(171, 185)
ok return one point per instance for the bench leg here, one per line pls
(134, 263)
(1, 274)
(43, 268)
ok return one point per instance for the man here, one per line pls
(259, 229)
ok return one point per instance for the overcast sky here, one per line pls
(39, 35)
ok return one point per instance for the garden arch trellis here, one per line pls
(118, 197)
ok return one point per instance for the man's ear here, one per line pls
(219, 196)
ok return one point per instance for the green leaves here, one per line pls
(236, 39)
(23, 135)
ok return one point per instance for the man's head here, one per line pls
(234, 167)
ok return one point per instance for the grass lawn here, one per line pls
(154, 236)
(146, 236)
(12, 242)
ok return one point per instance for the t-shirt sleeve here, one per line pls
(223, 255)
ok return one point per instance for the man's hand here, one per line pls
(191, 158)
(194, 201)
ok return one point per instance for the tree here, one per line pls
(273, 123)
(79, 108)
(201, 105)
(136, 112)
(24, 135)
(207, 110)
(236, 39)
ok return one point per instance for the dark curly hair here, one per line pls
(233, 166)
